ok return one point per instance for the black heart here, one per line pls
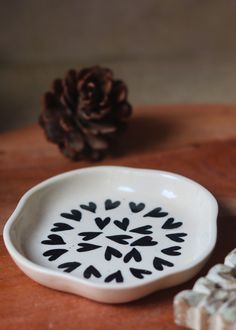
(54, 254)
(69, 266)
(135, 208)
(172, 251)
(102, 223)
(122, 224)
(177, 237)
(109, 205)
(133, 254)
(91, 207)
(171, 224)
(87, 247)
(121, 239)
(60, 226)
(144, 241)
(112, 252)
(54, 240)
(91, 270)
(140, 272)
(158, 263)
(89, 235)
(156, 213)
(115, 276)
(74, 215)
(142, 230)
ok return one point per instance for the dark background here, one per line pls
(172, 51)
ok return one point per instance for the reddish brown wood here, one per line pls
(196, 141)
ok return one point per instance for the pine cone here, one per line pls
(84, 112)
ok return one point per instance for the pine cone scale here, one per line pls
(97, 143)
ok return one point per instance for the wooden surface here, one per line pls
(196, 141)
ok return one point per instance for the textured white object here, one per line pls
(113, 234)
(230, 259)
(211, 305)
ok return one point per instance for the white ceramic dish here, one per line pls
(113, 234)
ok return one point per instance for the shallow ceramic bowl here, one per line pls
(113, 234)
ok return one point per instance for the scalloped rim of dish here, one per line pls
(27, 265)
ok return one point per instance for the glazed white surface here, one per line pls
(183, 199)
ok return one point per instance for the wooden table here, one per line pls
(196, 141)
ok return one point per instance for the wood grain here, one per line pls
(196, 141)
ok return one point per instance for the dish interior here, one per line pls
(116, 226)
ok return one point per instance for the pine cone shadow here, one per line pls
(144, 134)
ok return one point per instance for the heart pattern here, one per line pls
(117, 276)
(177, 237)
(139, 273)
(135, 208)
(126, 249)
(89, 235)
(121, 239)
(159, 263)
(54, 240)
(74, 215)
(110, 251)
(60, 226)
(91, 271)
(144, 241)
(142, 230)
(91, 207)
(109, 205)
(171, 224)
(156, 213)
(69, 266)
(135, 254)
(172, 251)
(122, 224)
(85, 247)
(54, 253)
(102, 223)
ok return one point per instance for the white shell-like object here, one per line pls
(211, 305)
